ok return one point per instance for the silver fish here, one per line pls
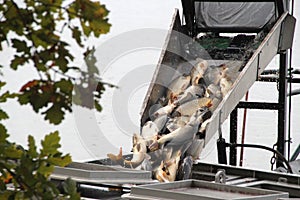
(149, 131)
(181, 138)
(192, 92)
(177, 122)
(166, 110)
(177, 87)
(161, 121)
(225, 84)
(213, 75)
(214, 92)
(198, 71)
(167, 170)
(185, 169)
(188, 108)
(139, 153)
(195, 148)
(226, 81)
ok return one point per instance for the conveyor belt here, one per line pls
(274, 41)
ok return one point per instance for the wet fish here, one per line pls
(214, 92)
(181, 138)
(225, 82)
(177, 87)
(185, 169)
(213, 75)
(203, 127)
(195, 148)
(198, 71)
(167, 171)
(149, 131)
(166, 110)
(139, 151)
(188, 108)
(160, 122)
(177, 122)
(117, 159)
(192, 92)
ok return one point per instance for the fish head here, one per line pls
(167, 170)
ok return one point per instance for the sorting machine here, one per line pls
(248, 34)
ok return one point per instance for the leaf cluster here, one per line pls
(25, 172)
(34, 29)
(37, 27)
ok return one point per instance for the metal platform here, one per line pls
(195, 190)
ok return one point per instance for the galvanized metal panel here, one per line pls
(163, 73)
(287, 33)
(195, 190)
(92, 173)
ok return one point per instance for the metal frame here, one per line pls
(280, 106)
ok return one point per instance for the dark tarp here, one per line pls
(234, 15)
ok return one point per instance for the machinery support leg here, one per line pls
(221, 147)
(233, 137)
(282, 100)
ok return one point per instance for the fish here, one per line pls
(195, 148)
(181, 138)
(167, 171)
(139, 153)
(160, 122)
(149, 131)
(166, 110)
(226, 82)
(198, 71)
(177, 122)
(117, 159)
(213, 91)
(188, 108)
(185, 169)
(177, 87)
(213, 75)
(192, 92)
(203, 127)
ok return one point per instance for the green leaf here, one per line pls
(17, 61)
(64, 86)
(3, 115)
(76, 34)
(32, 151)
(20, 46)
(50, 144)
(70, 188)
(45, 169)
(98, 106)
(54, 114)
(3, 133)
(2, 84)
(60, 161)
(12, 152)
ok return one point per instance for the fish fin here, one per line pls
(209, 104)
(116, 158)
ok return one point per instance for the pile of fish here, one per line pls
(173, 137)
